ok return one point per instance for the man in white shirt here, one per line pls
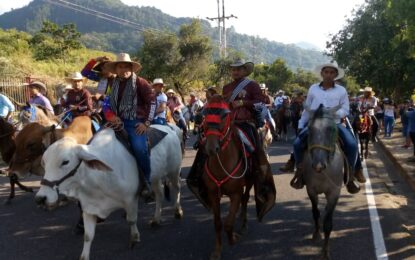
(279, 99)
(329, 94)
(161, 101)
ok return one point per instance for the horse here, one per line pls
(282, 120)
(36, 113)
(296, 111)
(323, 169)
(7, 149)
(225, 170)
(187, 116)
(265, 135)
(362, 125)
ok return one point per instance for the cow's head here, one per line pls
(61, 162)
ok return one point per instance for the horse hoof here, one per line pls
(133, 241)
(316, 236)
(154, 223)
(178, 214)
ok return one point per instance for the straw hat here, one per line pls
(334, 65)
(249, 66)
(41, 86)
(369, 89)
(170, 91)
(75, 76)
(158, 81)
(122, 58)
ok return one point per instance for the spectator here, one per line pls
(404, 119)
(411, 130)
(389, 117)
(6, 106)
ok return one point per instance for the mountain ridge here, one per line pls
(105, 35)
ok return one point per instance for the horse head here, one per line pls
(322, 136)
(217, 123)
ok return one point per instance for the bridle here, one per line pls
(55, 184)
(331, 148)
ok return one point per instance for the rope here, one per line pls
(245, 161)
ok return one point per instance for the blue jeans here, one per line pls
(139, 146)
(159, 121)
(350, 145)
(389, 124)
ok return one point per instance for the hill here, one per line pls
(105, 35)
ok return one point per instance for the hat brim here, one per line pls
(110, 66)
(249, 66)
(41, 86)
(318, 69)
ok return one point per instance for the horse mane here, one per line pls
(320, 112)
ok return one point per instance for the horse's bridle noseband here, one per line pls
(55, 184)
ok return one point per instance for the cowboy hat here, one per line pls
(170, 91)
(75, 76)
(39, 85)
(334, 65)
(122, 58)
(158, 81)
(249, 66)
(369, 89)
(263, 86)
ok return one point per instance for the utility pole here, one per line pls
(221, 29)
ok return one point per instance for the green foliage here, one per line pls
(105, 35)
(55, 42)
(377, 47)
(181, 60)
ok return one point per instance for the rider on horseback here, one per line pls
(243, 95)
(78, 98)
(368, 102)
(329, 94)
(132, 105)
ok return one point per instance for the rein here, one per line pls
(55, 184)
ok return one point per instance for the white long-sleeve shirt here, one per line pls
(331, 97)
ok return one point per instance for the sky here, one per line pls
(286, 21)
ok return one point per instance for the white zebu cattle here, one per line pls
(102, 176)
(166, 158)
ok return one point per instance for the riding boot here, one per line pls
(264, 186)
(289, 166)
(358, 174)
(194, 179)
(352, 186)
(298, 181)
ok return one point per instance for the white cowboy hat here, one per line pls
(369, 89)
(122, 58)
(263, 86)
(158, 81)
(170, 91)
(75, 76)
(249, 66)
(340, 71)
(38, 84)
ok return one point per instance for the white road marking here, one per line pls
(378, 240)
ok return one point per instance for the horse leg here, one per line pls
(158, 192)
(90, 223)
(328, 222)
(12, 181)
(215, 201)
(244, 207)
(23, 187)
(175, 187)
(366, 146)
(230, 219)
(361, 147)
(131, 211)
(79, 228)
(316, 215)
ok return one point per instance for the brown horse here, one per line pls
(363, 125)
(282, 120)
(225, 170)
(7, 149)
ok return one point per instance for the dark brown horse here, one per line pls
(225, 171)
(363, 125)
(282, 120)
(7, 149)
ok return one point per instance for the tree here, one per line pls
(53, 41)
(182, 59)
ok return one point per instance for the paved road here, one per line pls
(27, 232)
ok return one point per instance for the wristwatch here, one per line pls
(147, 123)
